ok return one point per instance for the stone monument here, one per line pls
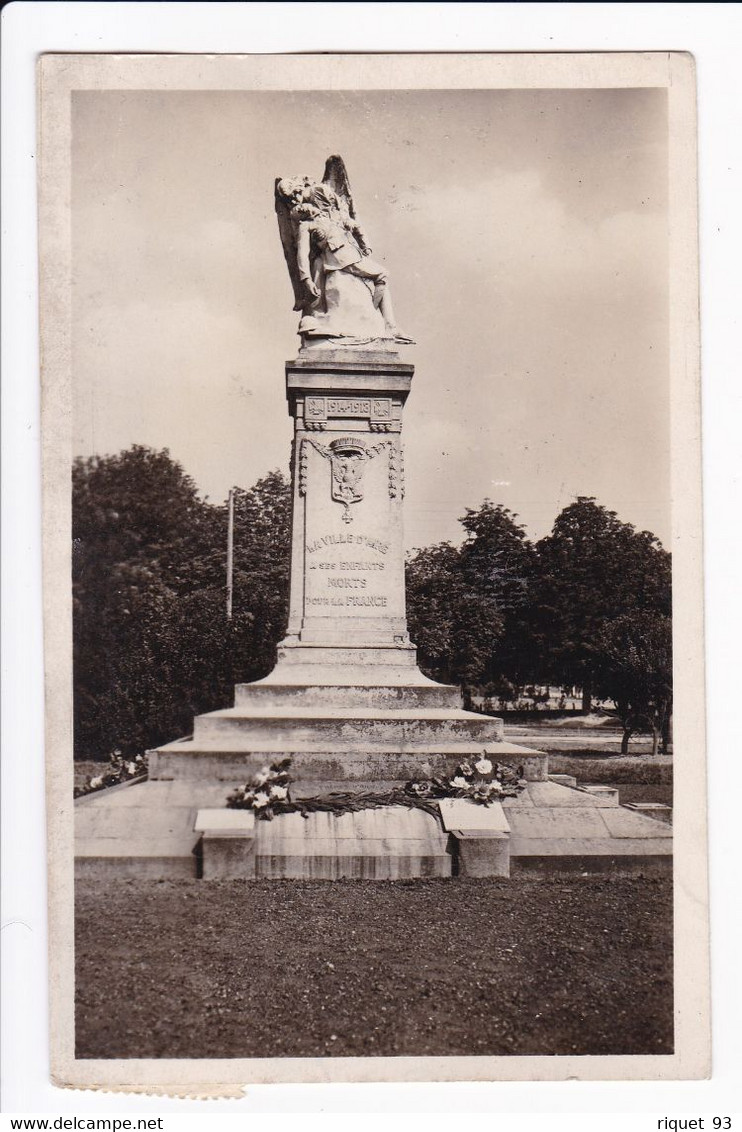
(346, 700)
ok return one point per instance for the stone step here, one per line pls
(237, 758)
(351, 726)
(341, 659)
(398, 696)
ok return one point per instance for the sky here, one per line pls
(525, 235)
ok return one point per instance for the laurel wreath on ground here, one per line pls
(268, 793)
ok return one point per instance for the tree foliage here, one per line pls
(152, 646)
(634, 669)
(505, 612)
(591, 569)
(466, 605)
(587, 605)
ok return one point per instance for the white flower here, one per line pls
(459, 782)
(96, 782)
(278, 791)
(260, 800)
(484, 766)
(262, 776)
(131, 768)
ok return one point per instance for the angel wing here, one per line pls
(287, 232)
(336, 176)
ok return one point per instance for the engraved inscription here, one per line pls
(358, 540)
(348, 407)
(375, 408)
(356, 567)
(375, 600)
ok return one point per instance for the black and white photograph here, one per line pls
(372, 576)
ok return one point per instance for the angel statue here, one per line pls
(340, 290)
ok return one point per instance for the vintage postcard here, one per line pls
(372, 568)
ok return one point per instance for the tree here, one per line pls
(262, 557)
(152, 646)
(453, 628)
(592, 569)
(498, 564)
(634, 668)
(433, 586)
(137, 526)
(466, 605)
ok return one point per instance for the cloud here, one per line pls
(525, 236)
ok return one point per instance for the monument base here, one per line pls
(152, 829)
(362, 730)
(346, 701)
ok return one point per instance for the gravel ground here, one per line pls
(532, 965)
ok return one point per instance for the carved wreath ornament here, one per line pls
(348, 457)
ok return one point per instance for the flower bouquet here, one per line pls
(482, 781)
(118, 770)
(267, 792)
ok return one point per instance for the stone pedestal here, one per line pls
(227, 846)
(482, 853)
(347, 568)
(346, 699)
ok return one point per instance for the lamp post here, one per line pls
(230, 550)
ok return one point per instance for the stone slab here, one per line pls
(131, 822)
(140, 866)
(145, 831)
(387, 823)
(283, 846)
(140, 847)
(225, 821)
(388, 843)
(623, 823)
(610, 863)
(368, 695)
(366, 726)
(655, 810)
(588, 846)
(482, 853)
(209, 762)
(461, 814)
(563, 779)
(368, 867)
(549, 824)
(608, 794)
(548, 794)
(157, 793)
(227, 855)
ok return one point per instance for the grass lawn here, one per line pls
(641, 792)
(534, 965)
